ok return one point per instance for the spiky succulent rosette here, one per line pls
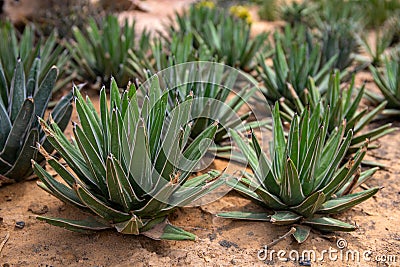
(305, 181)
(128, 166)
(20, 104)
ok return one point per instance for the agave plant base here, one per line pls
(159, 228)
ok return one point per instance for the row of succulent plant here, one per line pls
(132, 165)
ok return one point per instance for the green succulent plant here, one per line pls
(339, 38)
(388, 81)
(102, 51)
(27, 47)
(304, 181)
(343, 105)
(131, 168)
(376, 51)
(20, 104)
(161, 53)
(228, 38)
(290, 71)
(296, 13)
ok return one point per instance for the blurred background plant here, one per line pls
(226, 34)
(64, 15)
(101, 50)
(387, 78)
(27, 46)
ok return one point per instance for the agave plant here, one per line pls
(388, 81)
(101, 52)
(376, 51)
(339, 39)
(297, 12)
(343, 105)
(20, 105)
(304, 182)
(25, 47)
(130, 167)
(227, 37)
(290, 71)
(212, 85)
(162, 53)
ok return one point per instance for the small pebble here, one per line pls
(20, 224)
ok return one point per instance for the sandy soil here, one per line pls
(220, 242)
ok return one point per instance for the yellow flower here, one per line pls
(206, 4)
(241, 12)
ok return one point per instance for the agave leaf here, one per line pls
(367, 118)
(241, 215)
(157, 120)
(69, 152)
(99, 207)
(373, 134)
(329, 224)
(160, 197)
(293, 140)
(263, 171)
(325, 178)
(139, 160)
(168, 156)
(67, 176)
(194, 189)
(196, 150)
(33, 78)
(22, 166)
(93, 161)
(62, 104)
(307, 170)
(81, 226)
(241, 188)
(364, 176)
(119, 188)
(302, 233)
(56, 188)
(285, 217)
(17, 91)
(105, 120)
(332, 150)
(19, 130)
(43, 94)
(5, 126)
(291, 188)
(167, 231)
(130, 227)
(3, 88)
(343, 203)
(88, 121)
(279, 143)
(310, 205)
